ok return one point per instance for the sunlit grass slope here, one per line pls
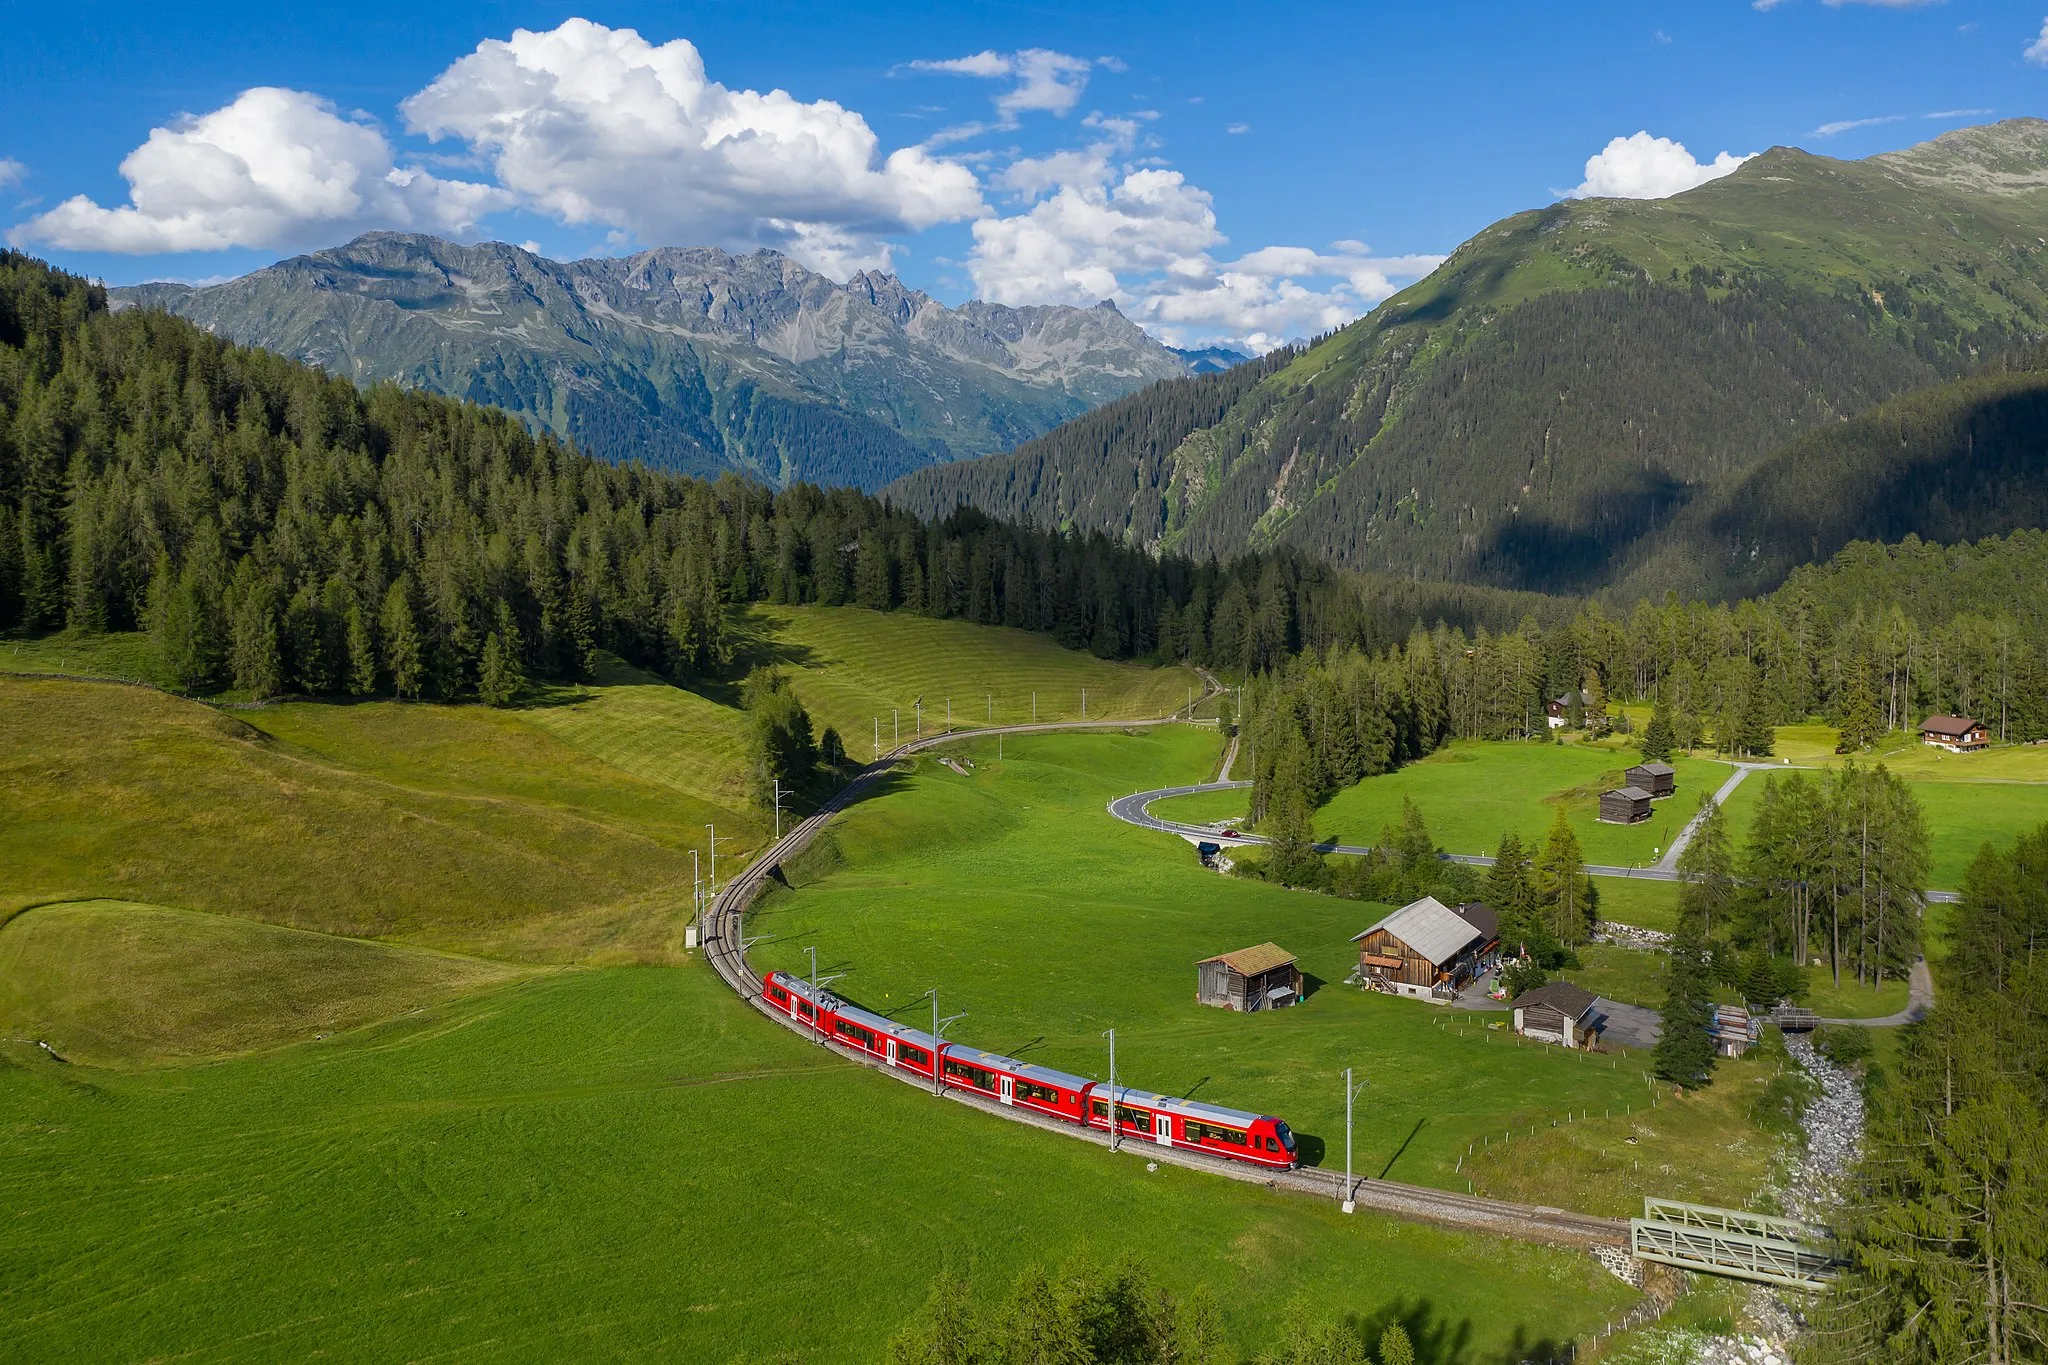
(115, 983)
(629, 1163)
(1015, 894)
(456, 827)
(852, 666)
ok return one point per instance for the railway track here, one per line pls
(725, 947)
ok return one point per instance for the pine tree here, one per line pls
(1595, 716)
(362, 654)
(1395, 1347)
(1706, 869)
(257, 659)
(1293, 859)
(1564, 892)
(1685, 1049)
(498, 680)
(402, 642)
(1755, 736)
(1658, 738)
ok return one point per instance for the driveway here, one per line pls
(1627, 1025)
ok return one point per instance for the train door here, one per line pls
(892, 1051)
(1009, 1090)
(1162, 1129)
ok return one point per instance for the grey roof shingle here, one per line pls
(1430, 927)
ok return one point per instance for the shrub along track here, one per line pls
(725, 948)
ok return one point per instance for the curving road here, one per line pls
(725, 947)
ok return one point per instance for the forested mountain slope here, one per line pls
(689, 359)
(1574, 377)
(1949, 463)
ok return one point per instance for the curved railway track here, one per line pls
(725, 947)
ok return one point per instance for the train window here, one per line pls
(978, 1077)
(1031, 1090)
(803, 1007)
(1209, 1132)
(1272, 1145)
(914, 1056)
(865, 1037)
(1133, 1118)
(1099, 1108)
(779, 995)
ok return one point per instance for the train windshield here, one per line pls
(1286, 1137)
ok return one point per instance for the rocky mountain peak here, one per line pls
(2005, 158)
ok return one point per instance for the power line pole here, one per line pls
(949, 713)
(895, 726)
(1350, 1093)
(919, 705)
(817, 996)
(714, 859)
(1084, 703)
(1034, 708)
(939, 1028)
(878, 739)
(1113, 1096)
(779, 794)
(991, 707)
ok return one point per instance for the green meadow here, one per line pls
(1011, 892)
(367, 1030)
(628, 1162)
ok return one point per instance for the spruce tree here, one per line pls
(1706, 870)
(1658, 739)
(1564, 892)
(362, 654)
(498, 679)
(402, 642)
(1755, 736)
(1685, 1049)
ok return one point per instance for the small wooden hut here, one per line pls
(1624, 806)
(1555, 1012)
(1658, 779)
(1261, 978)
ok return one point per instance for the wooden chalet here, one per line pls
(1957, 734)
(1559, 708)
(1428, 950)
(1624, 806)
(1658, 779)
(1556, 1012)
(1261, 978)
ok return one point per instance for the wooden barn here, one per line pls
(1658, 779)
(1556, 1012)
(1624, 806)
(1427, 949)
(1957, 734)
(1261, 978)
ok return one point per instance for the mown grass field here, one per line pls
(115, 983)
(1014, 894)
(852, 667)
(629, 1163)
(1473, 791)
(451, 827)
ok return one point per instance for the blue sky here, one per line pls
(1224, 172)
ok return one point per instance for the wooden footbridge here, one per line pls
(1729, 1242)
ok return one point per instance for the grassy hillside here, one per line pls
(1012, 893)
(1575, 375)
(115, 983)
(631, 1163)
(456, 827)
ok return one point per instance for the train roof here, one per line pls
(1193, 1109)
(995, 1061)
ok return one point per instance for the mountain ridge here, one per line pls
(1574, 376)
(688, 357)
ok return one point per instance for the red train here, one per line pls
(1259, 1139)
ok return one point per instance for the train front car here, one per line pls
(792, 996)
(1258, 1139)
(1017, 1084)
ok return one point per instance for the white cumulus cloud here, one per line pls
(597, 125)
(1145, 238)
(12, 172)
(2037, 51)
(1645, 167)
(275, 169)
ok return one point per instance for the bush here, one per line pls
(1846, 1045)
(1522, 975)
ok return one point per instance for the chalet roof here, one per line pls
(1630, 793)
(1949, 725)
(1655, 769)
(1565, 698)
(1480, 916)
(1430, 927)
(1571, 1001)
(1252, 961)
